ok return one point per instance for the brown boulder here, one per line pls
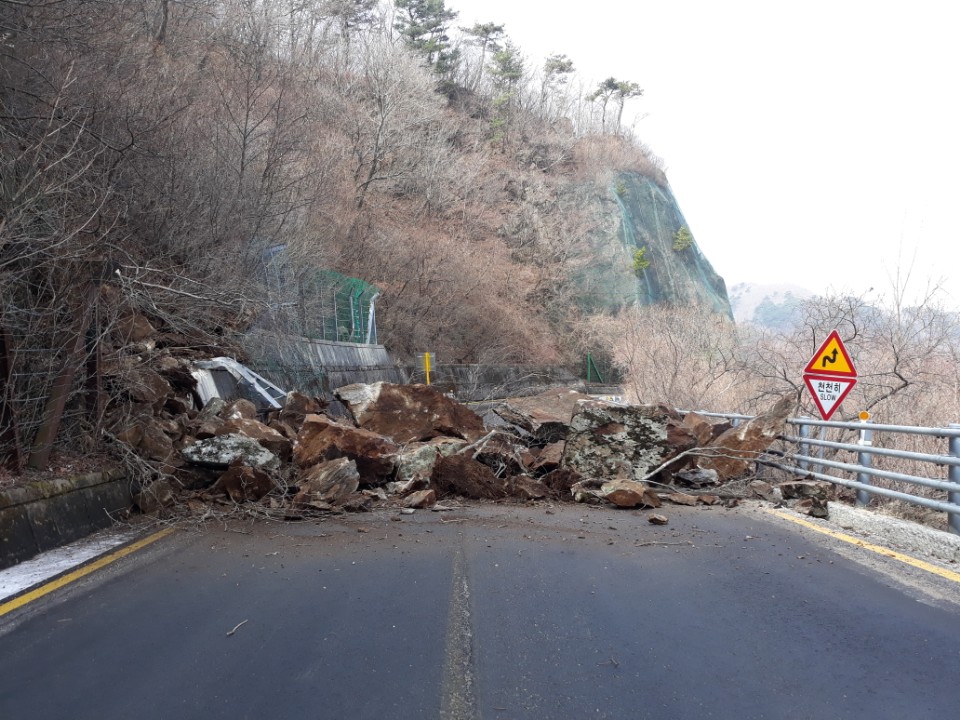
(417, 459)
(328, 483)
(628, 493)
(203, 427)
(766, 491)
(546, 416)
(295, 409)
(680, 498)
(703, 428)
(421, 499)
(408, 413)
(322, 438)
(155, 444)
(561, 480)
(501, 454)
(549, 458)
(527, 488)
(462, 475)
(154, 496)
(237, 409)
(147, 386)
(242, 483)
(622, 493)
(263, 434)
(734, 452)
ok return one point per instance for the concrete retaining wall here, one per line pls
(51, 513)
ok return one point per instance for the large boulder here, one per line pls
(619, 492)
(417, 460)
(242, 483)
(546, 416)
(146, 385)
(295, 409)
(705, 429)
(408, 413)
(263, 434)
(328, 484)
(615, 441)
(464, 476)
(223, 450)
(561, 480)
(733, 453)
(322, 438)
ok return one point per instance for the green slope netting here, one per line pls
(649, 218)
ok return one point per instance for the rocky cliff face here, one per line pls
(644, 216)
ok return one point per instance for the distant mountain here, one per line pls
(771, 306)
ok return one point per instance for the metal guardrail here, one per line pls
(804, 455)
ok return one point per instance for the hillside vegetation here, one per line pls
(162, 147)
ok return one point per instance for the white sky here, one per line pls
(815, 143)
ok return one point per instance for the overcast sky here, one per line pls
(814, 143)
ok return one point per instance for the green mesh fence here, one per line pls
(319, 304)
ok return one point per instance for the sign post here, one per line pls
(830, 375)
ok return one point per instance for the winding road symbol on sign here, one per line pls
(831, 353)
(830, 375)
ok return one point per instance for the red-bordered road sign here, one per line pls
(830, 375)
(828, 392)
(831, 359)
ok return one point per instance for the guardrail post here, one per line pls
(954, 475)
(864, 460)
(803, 447)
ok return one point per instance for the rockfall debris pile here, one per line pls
(410, 446)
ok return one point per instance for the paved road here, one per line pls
(498, 612)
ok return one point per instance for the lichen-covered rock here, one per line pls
(223, 450)
(614, 441)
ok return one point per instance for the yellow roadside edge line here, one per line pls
(922, 565)
(63, 580)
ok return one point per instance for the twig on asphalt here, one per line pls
(238, 626)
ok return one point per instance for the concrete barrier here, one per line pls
(50, 513)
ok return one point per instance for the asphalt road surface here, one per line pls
(492, 611)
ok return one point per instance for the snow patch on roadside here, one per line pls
(45, 566)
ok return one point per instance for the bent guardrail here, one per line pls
(859, 465)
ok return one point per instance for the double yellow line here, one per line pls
(63, 580)
(942, 572)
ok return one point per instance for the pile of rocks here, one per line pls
(410, 445)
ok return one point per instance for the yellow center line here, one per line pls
(929, 567)
(70, 577)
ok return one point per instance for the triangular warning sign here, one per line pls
(828, 392)
(831, 359)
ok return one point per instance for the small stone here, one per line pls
(658, 520)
